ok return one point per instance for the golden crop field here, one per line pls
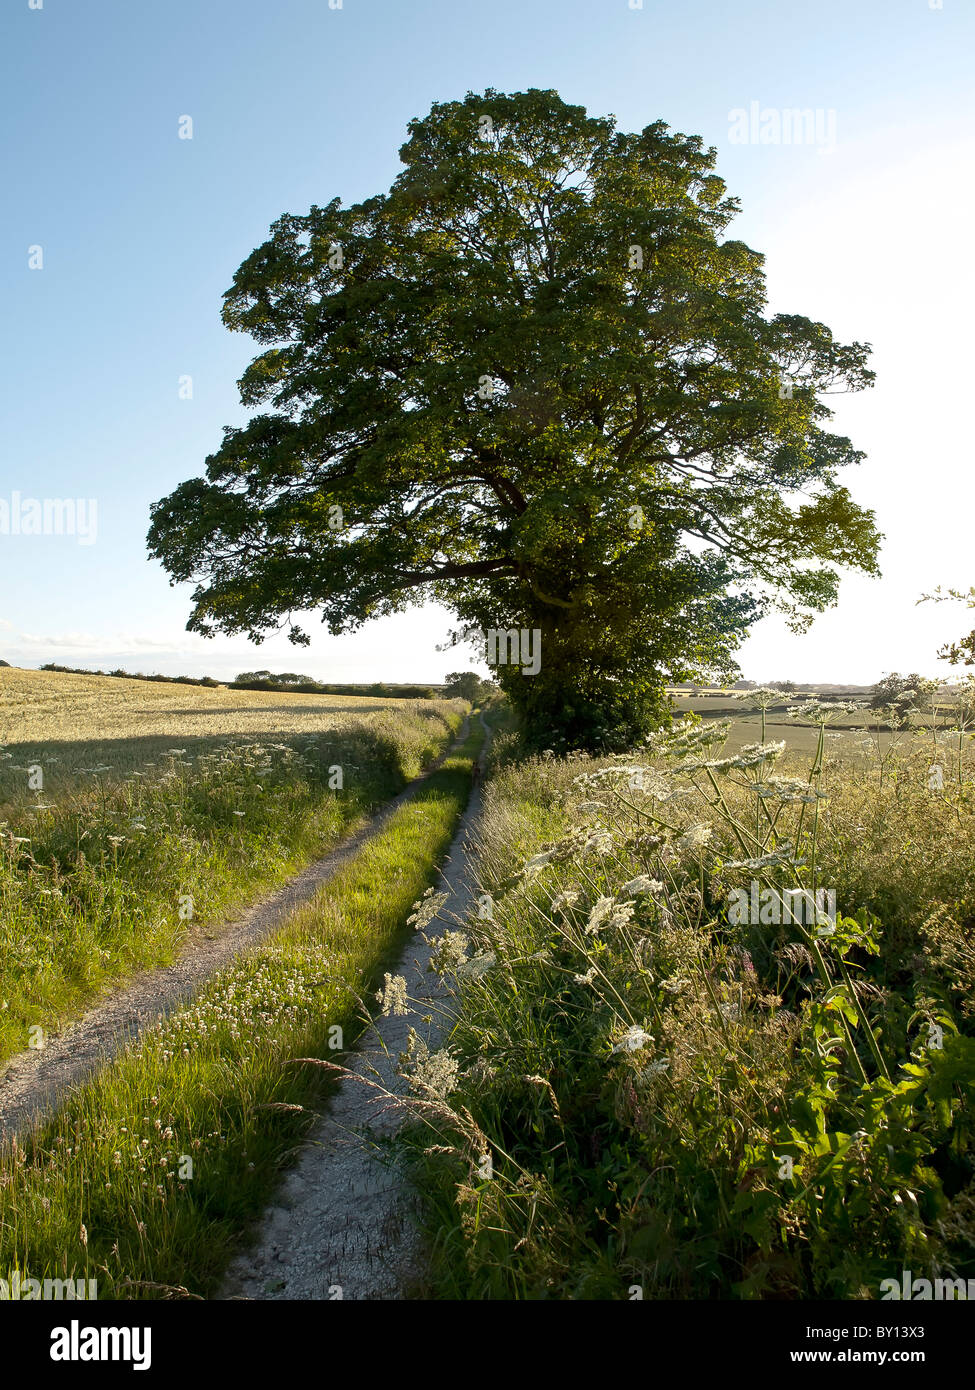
(75, 724)
(42, 705)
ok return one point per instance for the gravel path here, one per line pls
(342, 1224)
(33, 1082)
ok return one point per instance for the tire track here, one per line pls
(34, 1082)
(342, 1224)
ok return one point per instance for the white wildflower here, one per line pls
(753, 753)
(633, 1039)
(563, 900)
(789, 790)
(449, 951)
(642, 884)
(762, 698)
(477, 966)
(392, 996)
(537, 861)
(425, 909)
(599, 842)
(695, 837)
(621, 914)
(599, 913)
(431, 1073)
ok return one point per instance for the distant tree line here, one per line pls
(130, 675)
(468, 685)
(464, 685)
(290, 682)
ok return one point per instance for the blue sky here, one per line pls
(294, 102)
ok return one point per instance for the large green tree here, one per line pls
(536, 381)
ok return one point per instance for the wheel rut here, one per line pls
(34, 1082)
(343, 1225)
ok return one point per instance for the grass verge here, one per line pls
(151, 1175)
(98, 882)
(654, 1091)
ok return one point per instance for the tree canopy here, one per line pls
(535, 381)
(895, 689)
(468, 685)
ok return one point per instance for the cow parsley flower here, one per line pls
(430, 1073)
(599, 914)
(537, 861)
(633, 1039)
(476, 966)
(642, 884)
(563, 900)
(392, 997)
(599, 842)
(695, 837)
(449, 951)
(425, 909)
(781, 855)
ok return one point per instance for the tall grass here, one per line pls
(148, 1179)
(108, 877)
(658, 1096)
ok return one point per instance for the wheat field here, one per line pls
(75, 725)
(37, 706)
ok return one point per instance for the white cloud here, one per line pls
(91, 641)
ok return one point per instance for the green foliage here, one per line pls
(289, 683)
(528, 381)
(704, 1107)
(101, 1192)
(285, 680)
(961, 652)
(468, 685)
(894, 689)
(92, 880)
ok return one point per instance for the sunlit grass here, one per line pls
(105, 868)
(104, 1192)
(652, 1093)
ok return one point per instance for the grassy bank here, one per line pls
(681, 1098)
(105, 872)
(152, 1173)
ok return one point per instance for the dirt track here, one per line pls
(342, 1225)
(33, 1081)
